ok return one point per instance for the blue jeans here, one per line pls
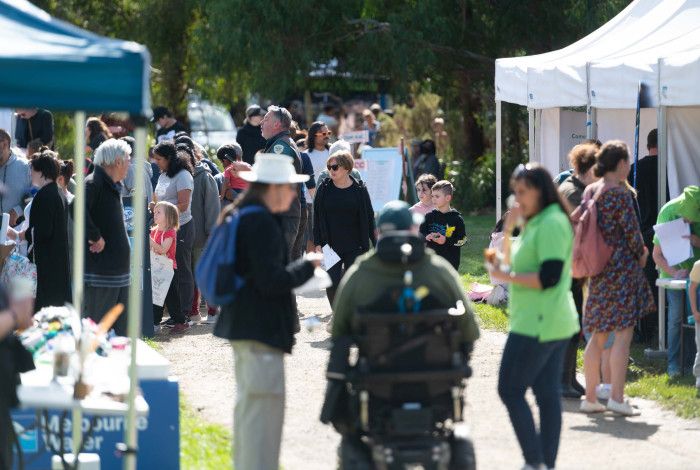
(674, 299)
(527, 363)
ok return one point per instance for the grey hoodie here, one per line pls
(205, 204)
(15, 177)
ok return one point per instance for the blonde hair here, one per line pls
(172, 215)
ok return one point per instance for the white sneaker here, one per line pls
(590, 407)
(602, 391)
(211, 319)
(194, 319)
(623, 408)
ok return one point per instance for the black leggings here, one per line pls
(172, 301)
(338, 271)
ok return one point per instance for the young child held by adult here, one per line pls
(443, 227)
(163, 242)
(233, 184)
(424, 185)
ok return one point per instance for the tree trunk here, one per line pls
(470, 106)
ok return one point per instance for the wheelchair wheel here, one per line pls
(463, 456)
(354, 455)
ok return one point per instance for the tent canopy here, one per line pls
(50, 64)
(604, 68)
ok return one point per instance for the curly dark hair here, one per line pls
(176, 163)
(311, 136)
(46, 162)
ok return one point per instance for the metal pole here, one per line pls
(134, 319)
(531, 134)
(78, 249)
(499, 151)
(662, 161)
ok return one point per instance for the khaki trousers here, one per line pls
(258, 413)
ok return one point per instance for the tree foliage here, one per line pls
(227, 49)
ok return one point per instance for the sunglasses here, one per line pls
(324, 134)
(522, 170)
(333, 167)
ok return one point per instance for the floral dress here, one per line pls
(620, 295)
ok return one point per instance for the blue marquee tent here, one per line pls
(50, 64)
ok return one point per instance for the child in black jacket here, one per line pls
(443, 228)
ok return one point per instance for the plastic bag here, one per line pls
(18, 267)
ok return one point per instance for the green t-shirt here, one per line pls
(548, 314)
(668, 213)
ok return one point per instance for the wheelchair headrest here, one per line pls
(389, 247)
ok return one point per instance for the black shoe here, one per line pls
(571, 392)
(169, 323)
(578, 387)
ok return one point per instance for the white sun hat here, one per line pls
(273, 168)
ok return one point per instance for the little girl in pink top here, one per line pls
(424, 191)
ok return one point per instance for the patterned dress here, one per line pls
(620, 295)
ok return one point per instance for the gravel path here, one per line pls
(204, 365)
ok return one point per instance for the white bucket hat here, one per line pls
(273, 168)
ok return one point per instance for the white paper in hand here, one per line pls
(330, 257)
(675, 248)
(320, 280)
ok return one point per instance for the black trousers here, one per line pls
(98, 301)
(569, 368)
(290, 228)
(338, 271)
(6, 437)
(172, 301)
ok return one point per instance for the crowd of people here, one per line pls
(312, 200)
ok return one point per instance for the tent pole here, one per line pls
(531, 134)
(662, 163)
(78, 248)
(134, 319)
(591, 122)
(499, 150)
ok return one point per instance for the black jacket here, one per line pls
(320, 231)
(250, 139)
(105, 218)
(48, 232)
(39, 126)
(263, 309)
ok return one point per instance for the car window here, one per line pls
(196, 120)
(217, 119)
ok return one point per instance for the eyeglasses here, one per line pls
(333, 167)
(324, 134)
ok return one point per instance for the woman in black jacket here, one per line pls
(260, 321)
(47, 233)
(343, 217)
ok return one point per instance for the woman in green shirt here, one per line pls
(542, 312)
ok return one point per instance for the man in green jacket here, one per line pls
(381, 271)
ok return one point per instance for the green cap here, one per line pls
(396, 216)
(689, 205)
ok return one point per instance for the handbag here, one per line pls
(18, 267)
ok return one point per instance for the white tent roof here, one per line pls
(678, 78)
(608, 63)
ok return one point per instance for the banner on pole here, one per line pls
(381, 170)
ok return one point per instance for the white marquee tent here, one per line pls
(657, 42)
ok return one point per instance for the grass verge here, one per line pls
(203, 446)
(646, 378)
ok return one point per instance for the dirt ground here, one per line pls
(204, 365)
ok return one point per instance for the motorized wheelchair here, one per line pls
(395, 391)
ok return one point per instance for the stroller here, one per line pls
(395, 388)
